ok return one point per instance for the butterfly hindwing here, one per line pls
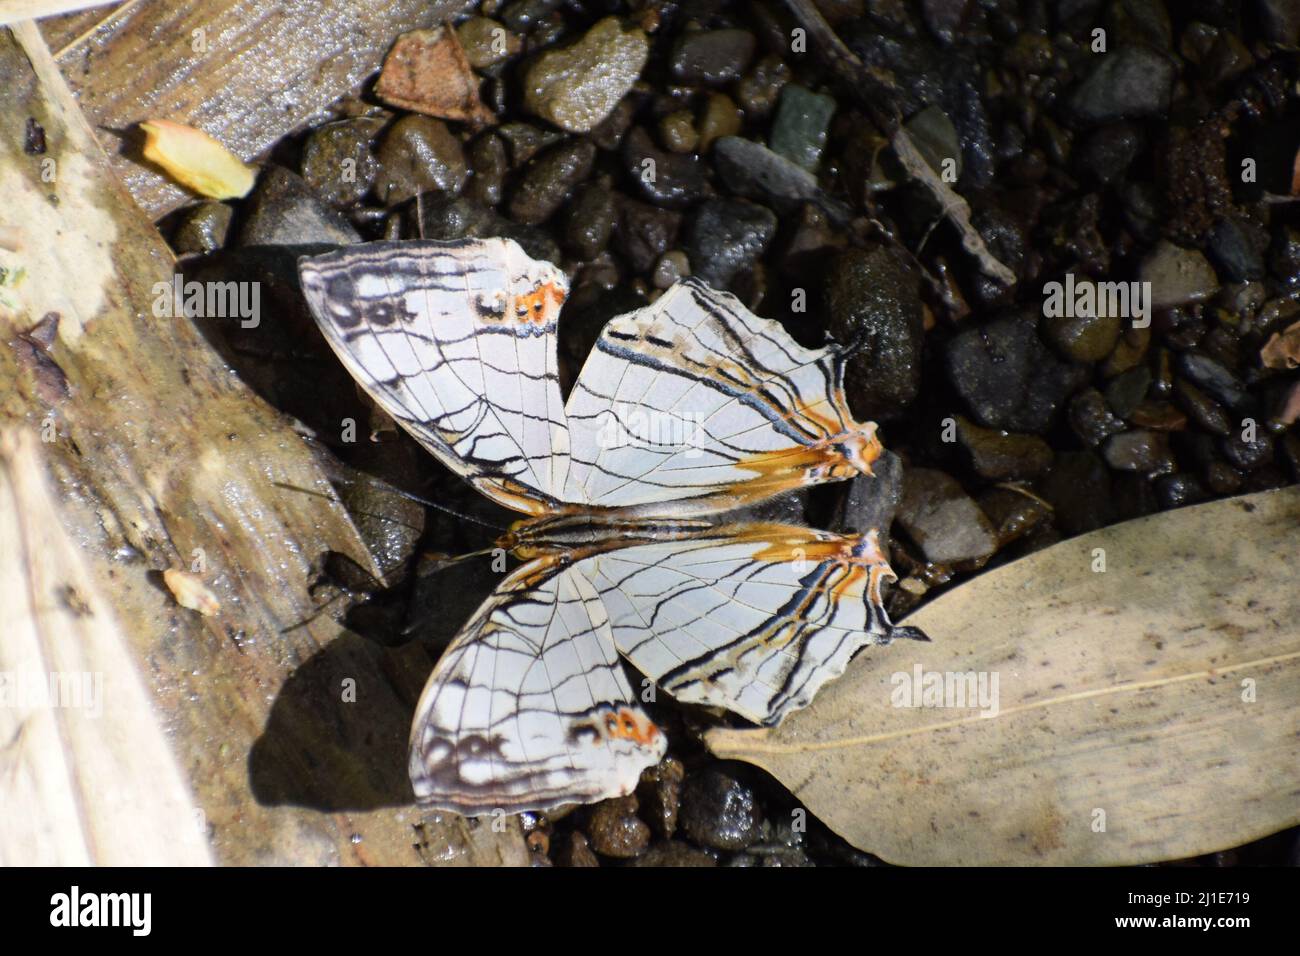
(456, 341)
(695, 405)
(752, 618)
(529, 708)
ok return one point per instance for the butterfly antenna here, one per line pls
(401, 494)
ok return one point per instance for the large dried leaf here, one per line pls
(163, 459)
(1150, 711)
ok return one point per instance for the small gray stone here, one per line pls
(671, 180)
(1092, 419)
(1126, 391)
(589, 220)
(644, 232)
(943, 520)
(420, 155)
(549, 179)
(337, 162)
(488, 163)
(1003, 456)
(719, 811)
(203, 229)
(1127, 83)
(751, 169)
(1139, 450)
(725, 236)
(283, 211)
(1177, 276)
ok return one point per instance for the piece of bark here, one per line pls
(162, 458)
(260, 71)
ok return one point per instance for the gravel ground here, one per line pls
(638, 142)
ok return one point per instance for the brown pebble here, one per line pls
(660, 793)
(575, 852)
(614, 829)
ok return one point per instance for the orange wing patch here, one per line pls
(540, 306)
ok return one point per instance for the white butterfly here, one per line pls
(684, 410)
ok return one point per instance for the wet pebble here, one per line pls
(1237, 247)
(1213, 378)
(589, 220)
(1202, 409)
(801, 125)
(615, 830)
(1012, 513)
(1139, 450)
(203, 229)
(283, 211)
(672, 267)
(549, 179)
(1092, 419)
(1248, 455)
(1083, 338)
(1002, 456)
(725, 236)
(575, 851)
(489, 164)
(578, 86)
(719, 811)
(1160, 416)
(487, 42)
(678, 133)
(711, 57)
(1126, 83)
(943, 520)
(1108, 152)
(1008, 377)
(720, 117)
(1127, 390)
(674, 853)
(1180, 489)
(337, 161)
(419, 154)
(751, 169)
(524, 141)
(660, 794)
(873, 304)
(759, 90)
(1177, 276)
(644, 232)
(671, 180)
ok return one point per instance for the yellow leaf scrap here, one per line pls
(196, 160)
(190, 592)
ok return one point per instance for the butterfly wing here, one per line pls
(456, 341)
(696, 401)
(529, 708)
(753, 618)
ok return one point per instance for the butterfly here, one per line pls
(685, 410)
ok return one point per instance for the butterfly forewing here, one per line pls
(456, 341)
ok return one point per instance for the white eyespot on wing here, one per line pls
(456, 341)
(529, 708)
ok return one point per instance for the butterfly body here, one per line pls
(685, 411)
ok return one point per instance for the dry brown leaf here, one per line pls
(1150, 711)
(1282, 350)
(426, 71)
(196, 160)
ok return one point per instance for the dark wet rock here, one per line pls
(1284, 256)
(1002, 456)
(615, 830)
(1213, 378)
(942, 520)
(489, 163)
(801, 125)
(203, 229)
(1108, 152)
(1013, 514)
(1177, 276)
(660, 794)
(759, 90)
(674, 853)
(578, 86)
(1280, 20)
(487, 42)
(283, 211)
(574, 851)
(524, 141)
(1160, 416)
(671, 180)
(337, 162)
(1126, 391)
(419, 154)
(873, 305)
(725, 236)
(644, 232)
(719, 117)
(589, 220)
(608, 134)
(678, 133)
(1079, 489)
(711, 57)
(671, 267)
(1083, 338)
(719, 811)
(1222, 478)
(1237, 247)
(1143, 209)
(944, 17)
(1144, 21)
(873, 499)
(1008, 377)
(1139, 450)
(1092, 419)
(462, 218)
(1127, 83)
(1248, 455)
(549, 179)
(1203, 410)
(1179, 490)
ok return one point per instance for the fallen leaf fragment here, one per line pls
(426, 71)
(190, 592)
(1282, 350)
(196, 160)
